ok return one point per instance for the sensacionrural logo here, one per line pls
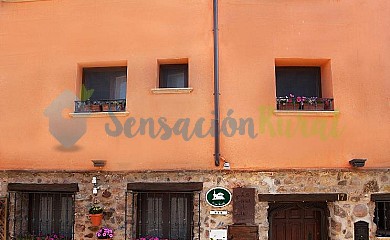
(66, 131)
(69, 131)
(188, 128)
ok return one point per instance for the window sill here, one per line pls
(306, 113)
(98, 114)
(171, 90)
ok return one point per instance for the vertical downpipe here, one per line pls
(216, 83)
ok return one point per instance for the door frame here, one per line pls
(322, 207)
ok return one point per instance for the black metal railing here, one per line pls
(117, 105)
(304, 104)
(382, 218)
(166, 215)
(37, 215)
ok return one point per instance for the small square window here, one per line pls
(173, 76)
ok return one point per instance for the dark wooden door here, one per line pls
(296, 224)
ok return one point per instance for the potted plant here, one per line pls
(310, 104)
(96, 215)
(289, 102)
(95, 106)
(105, 233)
(301, 102)
(109, 106)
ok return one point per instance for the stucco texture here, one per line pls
(45, 44)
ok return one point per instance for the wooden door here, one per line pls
(296, 223)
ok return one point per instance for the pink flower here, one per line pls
(301, 99)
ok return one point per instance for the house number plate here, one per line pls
(213, 212)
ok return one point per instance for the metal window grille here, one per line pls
(34, 214)
(3, 218)
(166, 215)
(382, 218)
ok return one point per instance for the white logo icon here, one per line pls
(218, 196)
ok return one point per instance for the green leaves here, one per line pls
(85, 93)
(95, 210)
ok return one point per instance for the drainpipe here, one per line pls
(216, 83)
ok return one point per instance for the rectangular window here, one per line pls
(382, 218)
(103, 89)
(107, 83)
(34, 214)
(300, 88)
(163, 210)
(165, 215)
(300, 81)
(173, 76)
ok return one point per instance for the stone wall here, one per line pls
(357, 184)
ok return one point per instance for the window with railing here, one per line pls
(382, 214)
(299, 88)
(103, 90)
(165, 212)
(38, 214)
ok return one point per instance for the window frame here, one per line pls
(382, 218)
(193, 189)
(379, 198)
(56, 199)
(315, 78)
(166, 68)
(166, 214)
(24, 206)
(114, 103)
(111, 69)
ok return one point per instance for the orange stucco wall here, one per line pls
(45, 44)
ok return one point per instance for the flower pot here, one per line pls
(290, 106)
(109, 107)
(95, 108)
(96, 219)
(320, 106)
(309, 107)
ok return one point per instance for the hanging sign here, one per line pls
(218, 197)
